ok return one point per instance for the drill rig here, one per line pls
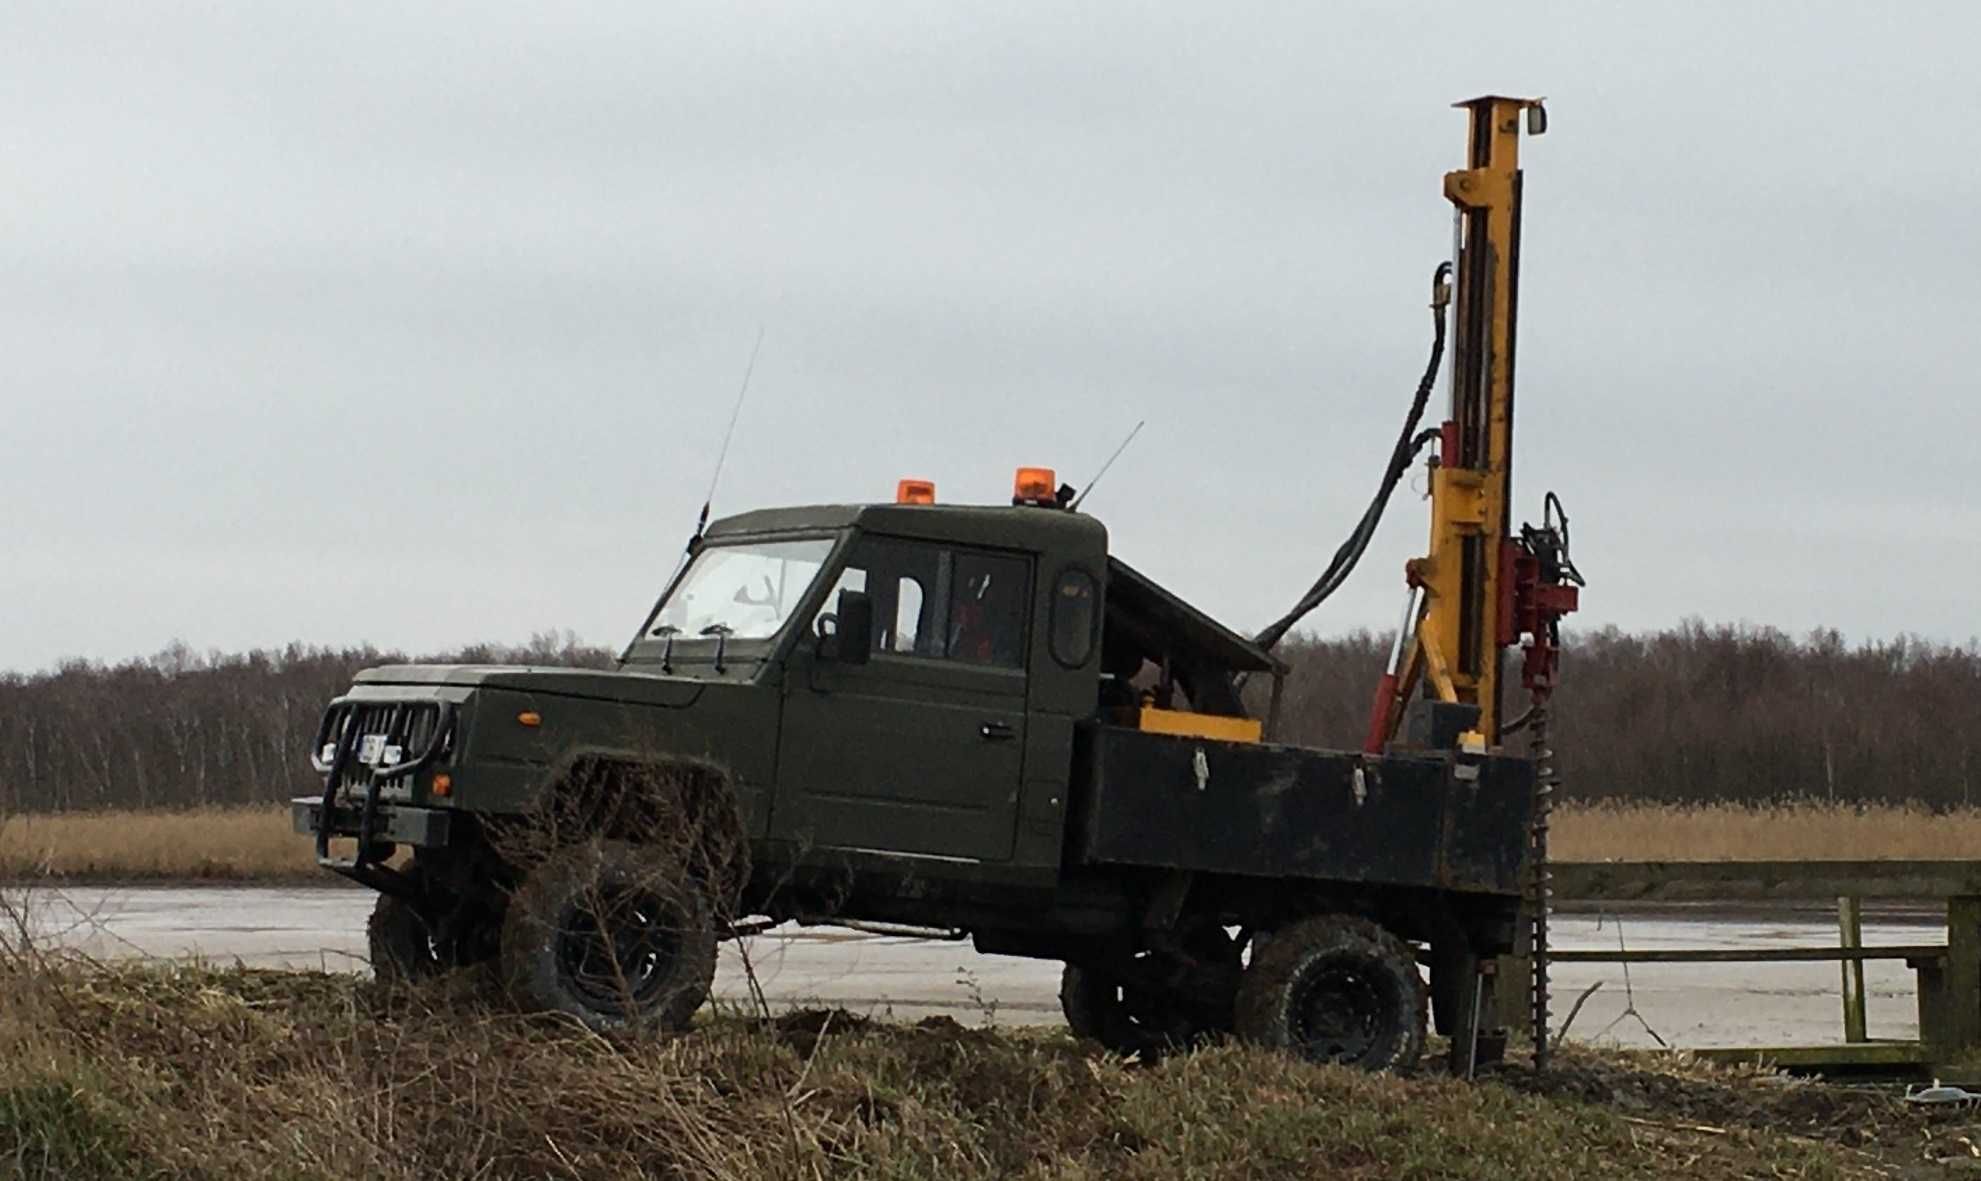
(1481, 589)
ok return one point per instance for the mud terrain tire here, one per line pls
(612, 933)
(1339, 989)
(402, 951)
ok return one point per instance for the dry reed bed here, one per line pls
(256, 843)
(140, 1072)
(1811, 831)
(225, 844)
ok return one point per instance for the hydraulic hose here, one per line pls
(1409, 443)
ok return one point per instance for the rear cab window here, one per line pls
(1075, 617)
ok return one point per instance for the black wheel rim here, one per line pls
(1340, 1011)
(1134, 1021)
(614, 948)
(412, 946)
(1148, 1019)
(1141, 1017)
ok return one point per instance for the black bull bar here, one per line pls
(353, 722)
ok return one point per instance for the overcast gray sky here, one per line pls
(419, 324)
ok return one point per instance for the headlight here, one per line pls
(373, 751)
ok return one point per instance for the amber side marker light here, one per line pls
(443, 784)
(1035, 485)
(915, 492)
(529, 717)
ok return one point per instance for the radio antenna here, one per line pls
(728, 433)
(1110, 463)
(701, 522)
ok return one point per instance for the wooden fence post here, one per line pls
(1962, 1027)
(1850, 934)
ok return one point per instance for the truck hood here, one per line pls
(596, 684)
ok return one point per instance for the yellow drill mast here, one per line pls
(1469, 598)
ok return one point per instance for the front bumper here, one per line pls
(401, 824)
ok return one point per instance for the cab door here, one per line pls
(921, 749)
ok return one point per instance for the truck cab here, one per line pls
(941, 726)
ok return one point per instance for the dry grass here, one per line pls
(168, 1072)
(1737, 832)
(246, 843)
(256, 843)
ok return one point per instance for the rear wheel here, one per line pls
(612, 933)
(1339, 989)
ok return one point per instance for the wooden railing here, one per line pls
(1948, 974)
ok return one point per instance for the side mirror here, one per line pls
(852, 636)
(856, 626)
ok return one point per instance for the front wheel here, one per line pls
(403, 951)
(1164, 1003)
(1124, 1019)
(612, 933)
(1334, 988)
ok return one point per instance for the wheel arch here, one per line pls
(686, 801)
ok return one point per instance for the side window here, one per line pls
(940, 603)
(987, 596)
(909, 602)
(899, 575)
(1073, 617)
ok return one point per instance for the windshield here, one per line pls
(746, 588)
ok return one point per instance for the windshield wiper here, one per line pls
(721, 632)
(667, 652)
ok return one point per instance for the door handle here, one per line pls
(996, 732)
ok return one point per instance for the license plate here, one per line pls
(371, 747)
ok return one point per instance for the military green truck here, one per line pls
(961, 718)
(976, 720)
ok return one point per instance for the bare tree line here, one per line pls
(184, 729)
(1689, 714)
(1714, 713)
